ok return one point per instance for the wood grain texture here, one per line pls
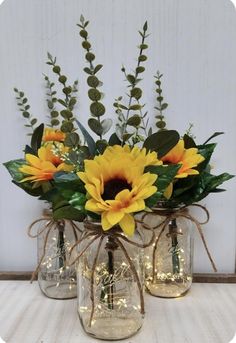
(205, 315)
(192, 42)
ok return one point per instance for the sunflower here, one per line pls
(51, 135)
(187, 158)
(117, 186)
(43, 166)
(136, 154)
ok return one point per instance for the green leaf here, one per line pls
(135, 107)
(140, 70)
(114, 140)
(188, 142)
(95, 126)
(142, 58)
(90, 56)
(135, 120)
(206, 151)
(136, 93)
(29, 150)
(97, 68)
(72, 139)
(26, 114)
(94, 94)
(78, 200)
(97, 109)
(162, 142)
(88, 71)
(131, 78)
(89, 140)
(101, 145)
(213, 136)
(93, 81)
(69, 181)
(164, 106)
(166, 175)
(13, 168)
(66, 114)
(37, 136)
(68, 212)
(67, 126)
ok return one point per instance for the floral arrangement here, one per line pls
(110, 179)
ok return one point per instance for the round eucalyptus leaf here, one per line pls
(94, 94)
(66, 114)
(62, 79)
(89, 56)
(67, 126)
(93, 81)
(136, 93)
(56, 69)
(26, 114)
(83, 34)
(95, 126)
(72, 139)
(142, 58)
(54, 114)
(135, 120)
(86, 45)
(55, 122)
(97, 109)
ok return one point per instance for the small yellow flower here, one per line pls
(43, 166)
(188, 158)
(117, 185)
(51, 135)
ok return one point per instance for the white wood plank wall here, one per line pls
(193, 42)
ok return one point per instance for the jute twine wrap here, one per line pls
(174, 214)
(95, 232)
(49, 225)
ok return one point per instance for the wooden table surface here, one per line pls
(207, 314)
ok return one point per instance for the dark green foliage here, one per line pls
(162, 142)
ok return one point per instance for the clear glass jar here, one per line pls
(110, 284)
(168, 262)
(56, 279)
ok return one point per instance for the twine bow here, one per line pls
(50, 224)
(96, 232)
(170, 215)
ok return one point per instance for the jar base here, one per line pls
(169, 289)
(60, 290)
(111, 329)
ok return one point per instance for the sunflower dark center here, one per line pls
(113, 187)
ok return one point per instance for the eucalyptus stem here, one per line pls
(175, 246)
(61, 244)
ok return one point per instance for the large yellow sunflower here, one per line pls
(188, 158)
(117, 185)
(43, 166)
(51, 135)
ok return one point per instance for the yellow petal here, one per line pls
(127, 224)
(114, 217)
(105, 223)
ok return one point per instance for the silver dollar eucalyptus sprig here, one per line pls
(24, 108)
(68, 103)
(134, 117)
(97, 109)
(161, 105)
